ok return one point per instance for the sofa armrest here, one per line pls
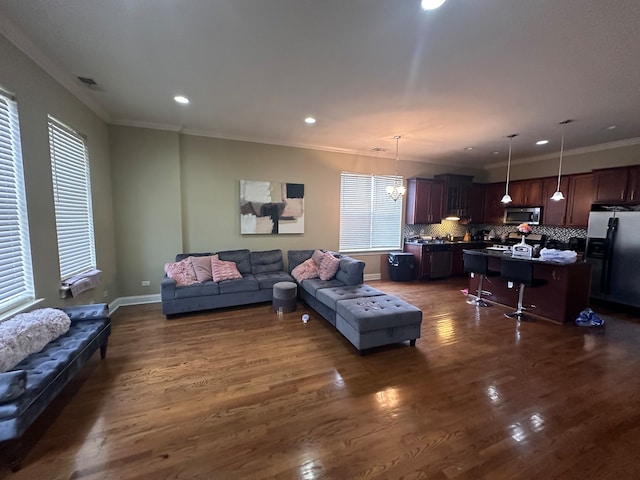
(87, 312)
(12, 385)
(168, 288)
(350, 271)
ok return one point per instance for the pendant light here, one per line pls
(557, 196)
(398, 189)
(507, 198)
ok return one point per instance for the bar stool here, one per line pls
(478, 264)
(519, 271)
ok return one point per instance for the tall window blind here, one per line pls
(72, 199)
(16, 276)
(369, 219)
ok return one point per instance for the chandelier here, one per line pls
(396, 190)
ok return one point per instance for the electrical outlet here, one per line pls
(145, 283)
(106, 293)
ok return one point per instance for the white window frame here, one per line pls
(16, 273)
(370, 220)
(71, 181)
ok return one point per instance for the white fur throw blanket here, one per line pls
(27, 333)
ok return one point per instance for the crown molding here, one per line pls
(23, 43)
(123, 122)
(630, 142)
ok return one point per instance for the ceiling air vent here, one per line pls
(90, 83)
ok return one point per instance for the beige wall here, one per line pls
(172, 200)
(146, 196)
(39, 95)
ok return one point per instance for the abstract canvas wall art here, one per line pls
(271, 207)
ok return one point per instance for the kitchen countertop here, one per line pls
(445, 242)
(507, 254)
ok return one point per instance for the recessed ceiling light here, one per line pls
(468, 148)
(542, 142)
(495, 153)
(611, 127)
(431, 4)
(181, 99)
(309, 120)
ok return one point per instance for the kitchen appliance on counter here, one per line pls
(516, 215)
(530, 239)
(613, 250)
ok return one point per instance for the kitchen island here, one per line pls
(561, 297)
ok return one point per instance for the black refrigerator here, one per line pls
(613, 250)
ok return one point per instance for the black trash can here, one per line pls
(401, 266)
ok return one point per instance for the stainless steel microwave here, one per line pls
(516, 216)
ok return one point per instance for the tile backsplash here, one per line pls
(447, 227)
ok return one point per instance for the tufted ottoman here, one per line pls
(375, 321)
(329, 297)
(285, 296)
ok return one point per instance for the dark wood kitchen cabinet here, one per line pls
(422, 256)
(477, 203)
(432, 261)
(581, 195)
(526, 193)
(554, 212)
(493, 207)
(424, 201)
(456, 195)
(617, 185)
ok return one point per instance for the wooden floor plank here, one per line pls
(238, 393)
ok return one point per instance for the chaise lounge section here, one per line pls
(367, 317)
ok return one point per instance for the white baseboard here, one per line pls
(134, 300)
(373, 276)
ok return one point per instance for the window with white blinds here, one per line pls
(369, 218)
(72, 199)
(16, 276)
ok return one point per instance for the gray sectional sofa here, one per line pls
(260, 271)
(367, 317)
(29, 387)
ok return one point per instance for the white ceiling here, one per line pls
(467, 74)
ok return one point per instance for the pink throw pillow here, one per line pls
(182, 272)
(305, 271)
(222, 270)
(328, 267)
(317, 257)
(202, 267)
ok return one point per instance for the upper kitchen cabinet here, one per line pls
(554, 211)
(477, 203)
(424, 201)
(581, 194)
(526, 193)
(456, 196)
(493, 207)
(617, 185)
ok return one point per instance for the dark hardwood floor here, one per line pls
(239, 394)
